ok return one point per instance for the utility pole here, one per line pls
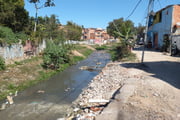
(150, 8)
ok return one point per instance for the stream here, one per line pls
(49, 100)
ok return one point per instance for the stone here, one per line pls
(86, 110)
(61, 119)
(98, 101)
(155, 94)
(76, 109)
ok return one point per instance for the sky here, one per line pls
(97, 13)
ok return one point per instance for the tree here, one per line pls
(7, 36)
(127, 33)
(123, 29)
(73, 31)
(51, 27)
(13, 14)
(140, 31)
(37, 6)
(115, 26)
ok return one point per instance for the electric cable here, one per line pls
(128, 15)
(159, 3)
(134, 9)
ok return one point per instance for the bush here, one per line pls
(55, 55)
(7, 36)
(119, 52)
(2, 64)
(103, 47)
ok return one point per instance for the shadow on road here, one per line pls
(164, 70)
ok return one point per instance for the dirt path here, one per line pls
(143, 97)
(162, 66)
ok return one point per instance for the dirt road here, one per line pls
(162, 66)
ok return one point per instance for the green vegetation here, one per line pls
(13, 15)
(125, 31)
(2, 64)
(118, 52)
(55, 55)
(103, 47)
(83, 50)
(38, 5)
(12, 88)
(73, 31)
(7, 36)
(121, 53)
(15, 24)
(33, 67)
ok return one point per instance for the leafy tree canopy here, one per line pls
(123, 29)
(13, 14)
(73, 31)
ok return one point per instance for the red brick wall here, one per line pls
(176, 14)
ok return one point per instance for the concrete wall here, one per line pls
(17, 51)
(12, 51)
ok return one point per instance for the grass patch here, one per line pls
(12, 88)
(77, 58)
(83, 50)
(103, 47)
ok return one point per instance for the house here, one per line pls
(163, 25)
(99, 35)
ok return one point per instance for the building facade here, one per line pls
(96, 34)
(162, 25)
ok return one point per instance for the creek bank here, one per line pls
(123, 91)
(100, 92)
(26, 73)
(51, 98)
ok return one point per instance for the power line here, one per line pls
(134, 9)
(129, 15)
(159, 4)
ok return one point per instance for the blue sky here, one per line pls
(98, 13)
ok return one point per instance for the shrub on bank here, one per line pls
(2, 64)
(120, 52)
(103, 47)
(55, 55)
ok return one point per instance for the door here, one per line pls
(155, 40)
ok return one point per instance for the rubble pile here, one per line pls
(100, 91)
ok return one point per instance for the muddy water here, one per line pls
(49, 100)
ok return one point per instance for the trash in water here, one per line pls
(16, 93)
(40, 91)
(3, 107)
(67, 89)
